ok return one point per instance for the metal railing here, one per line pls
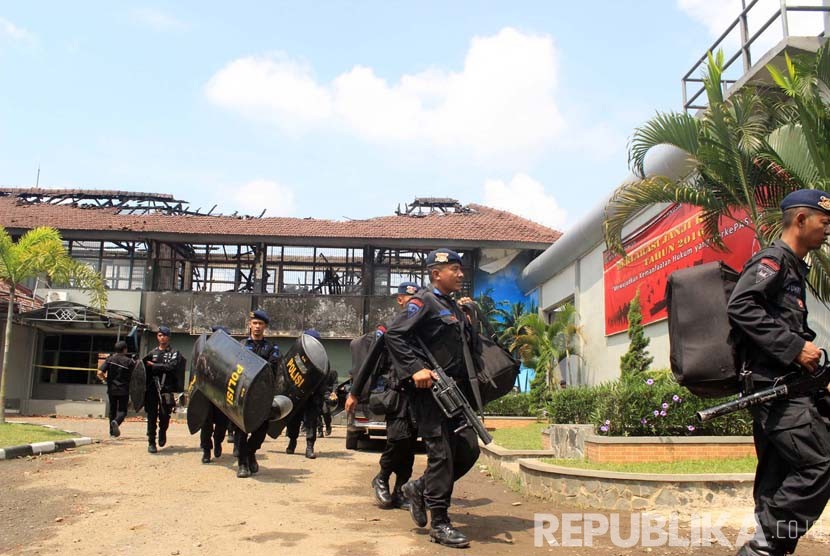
(691, 100)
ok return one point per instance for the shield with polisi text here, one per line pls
(235, 380)
(301, 371)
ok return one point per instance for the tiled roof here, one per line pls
(481, 223)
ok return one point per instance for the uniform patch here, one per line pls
(767, 268)
(413, 307)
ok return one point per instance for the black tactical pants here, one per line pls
(215, 427)
(156, 414)
(399, 454)
(792, 481)
(308, 418)
(118, 407)
(449, 457)
(248, 444)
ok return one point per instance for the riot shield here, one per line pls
(198, 408)
(235, 380)
(300, 372)
(138, 385)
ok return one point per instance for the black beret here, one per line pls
(443, 256)
(810, 198)
(408, 288)
(164, 330)
(259, 314)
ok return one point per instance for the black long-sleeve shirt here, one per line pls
(166, 364)
(768, 306)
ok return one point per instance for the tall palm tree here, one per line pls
(507, 327)
(724, 144)
(39, 251)
(800, 147)
(542, 346)
(569, 334)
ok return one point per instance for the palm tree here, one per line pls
(724, 144)
(541, 346)
(569, 333)
(800, 147)
(507, 327)
(39, 251)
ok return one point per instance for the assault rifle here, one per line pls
(794, 384)
(451, 399)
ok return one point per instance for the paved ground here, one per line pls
(114, 498)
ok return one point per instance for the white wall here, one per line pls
(19, 377)
(121, 300)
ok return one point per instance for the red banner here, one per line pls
(674, 239)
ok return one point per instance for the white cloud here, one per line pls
(272, 88)
(157, 20)
(526, 197)
(259, 194)
(717, 15)
(11, 31)
(502, 101)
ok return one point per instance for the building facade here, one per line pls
(165, 264)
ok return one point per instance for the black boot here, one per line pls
(253, 465)
(205, 455)
(217, 448)
(328, 430)
(114, 429)
(413, 491)
(320, 432)
(162, 437)
(235, 448)
(309, 449)
(243, 472)
(398, 499)
(292, 445)
(382, 494)
(444, 533)
(752, 548)
(151, 447)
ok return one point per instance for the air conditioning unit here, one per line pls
(53, 295)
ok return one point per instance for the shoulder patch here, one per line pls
(767, 268)
(413, 307)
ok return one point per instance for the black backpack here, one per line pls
(702, 347)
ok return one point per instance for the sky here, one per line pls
(344, 109)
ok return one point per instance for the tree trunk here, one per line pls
(6, 344)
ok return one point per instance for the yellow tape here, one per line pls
(85, 369)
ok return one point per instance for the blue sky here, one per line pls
(342, 109)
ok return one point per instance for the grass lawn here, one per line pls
(742, 465)
(12, 434)
(528, 437)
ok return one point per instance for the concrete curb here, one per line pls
(48, 447)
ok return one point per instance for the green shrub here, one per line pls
(516, 404)
(575, 404)
(628, 409)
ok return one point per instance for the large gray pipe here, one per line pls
(663, 160)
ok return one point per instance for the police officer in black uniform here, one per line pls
(117, 370)
(792, 440)
(162, 364)
(307, 416)
(434, 316)
(247, 445)
(399, 454)
(215, 426)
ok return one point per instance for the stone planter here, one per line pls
(606, 490)
(522, 470)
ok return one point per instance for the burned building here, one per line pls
(164, 263)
